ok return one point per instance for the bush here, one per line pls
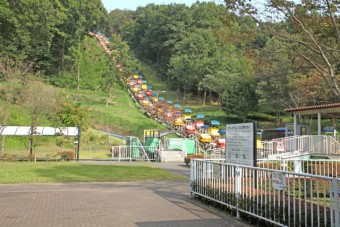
(31, 157)
(9, 157)
(189, 157)
(66, 155)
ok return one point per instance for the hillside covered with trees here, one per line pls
(53, 73)
(243, 57)
(246, 54)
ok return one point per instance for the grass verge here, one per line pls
(59, 172)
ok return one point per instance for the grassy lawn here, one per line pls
(59, 172)
(121, 116)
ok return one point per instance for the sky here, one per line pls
(133, 4)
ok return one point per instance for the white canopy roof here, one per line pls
(40, 131)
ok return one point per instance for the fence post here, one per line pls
(336, 202)
(119, 153)
(238, 189)
(192, 176)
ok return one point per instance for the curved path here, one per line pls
(150, 203)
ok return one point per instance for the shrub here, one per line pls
(66, 155)
(9, 157)
(189, 157)
(31, 157)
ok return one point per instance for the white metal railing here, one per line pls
(297, 146)
(159, 152)
(320, 167)
(215, 153)
(131, 153)
(279, 197)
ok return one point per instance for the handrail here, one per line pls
(293, 146)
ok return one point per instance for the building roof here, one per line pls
(326, 110)
(40, 131)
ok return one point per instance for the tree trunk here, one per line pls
(204, 97)
(277, 116)
(62, 57)
(78, 78)
(220, 101)
(178, 90)
(3, 146)
(210, 97)
(31, 141)
(6, 113)
(78, 70)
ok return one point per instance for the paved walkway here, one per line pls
(150, 203)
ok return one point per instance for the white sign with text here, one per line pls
(240, 140)
(279, 180)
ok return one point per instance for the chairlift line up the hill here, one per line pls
(188, 124)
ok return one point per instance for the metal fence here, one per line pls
(320, 167)
(279, 197)
(215, 153)
(297, 146)
(289, 147)
(135, 153)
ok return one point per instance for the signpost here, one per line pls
(241, 144)
(241, 150)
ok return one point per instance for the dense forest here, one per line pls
(280, 54)
(237, 54)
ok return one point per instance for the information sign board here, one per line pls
(279, 180)
(241, 144)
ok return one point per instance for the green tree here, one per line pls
(40, 100)
(43, 31)
(82, 16)
(156, 30)
(207, 15)
(29, 28)
(311, 34)
(216, 83)
(240, 97)
(14, 76)
(273, 72)
(119, 19)
(72, 114)
(194, 58)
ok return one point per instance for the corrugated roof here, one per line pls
(326, 110)
(316, 107)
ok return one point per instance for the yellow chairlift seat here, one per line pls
(145, 102)
(178, 121)
(135, 89)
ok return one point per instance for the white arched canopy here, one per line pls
(42, 131)
(39, 131)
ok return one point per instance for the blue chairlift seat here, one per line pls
(200, 116)
(215, 122)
